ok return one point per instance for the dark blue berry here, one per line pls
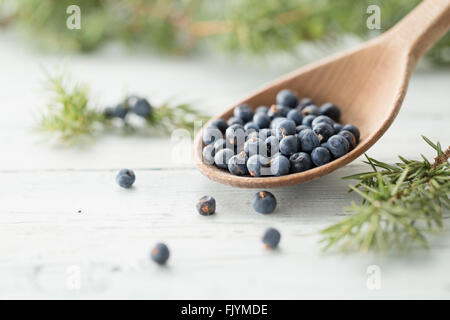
(220, 123)
(235, 120)
(125, 178)
(353, 129)
(280, 165)
(258, 165)
(276, 111)
(142, 108)
(262, 109)
(338, 145)
(275, 122)
(222, 157)
(322, 118)
(307, 121)
(160, 253)
(349, 136)
(271, 238)
(308, 140)
(296, 116)
(238, 164)
(220, 144)
(300, 128)
(264, 202)
(251, 126)
(300, 162)
(235, 135)
(109, 112)
(120, 111)
(285, 128)
(289, 145)
(272, 145)
(243, 112)
(211, 134)
(323, 131)
(208, 154)
(255, 145)
(304, 103)
(287, 98)
(331, 110)
(206, 206)
(262, 120)
(265, 133)
(312, 109)
(320, 156)
(337, 127)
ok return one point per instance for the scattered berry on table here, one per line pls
(279, 165)
(125, 178)
(338, 145)
(320, 156)
(271, 238)
(160, 253)
(353, 129)
(287, 98)
(238, 164)
(300, 161)
(264, 202)
(331, 110)
(206, 206)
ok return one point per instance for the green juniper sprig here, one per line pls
(181, 26)
(401, 204)
(72, 116)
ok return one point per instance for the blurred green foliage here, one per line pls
(181, 26)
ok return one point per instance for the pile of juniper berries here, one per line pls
(289, 137)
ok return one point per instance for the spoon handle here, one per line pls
(421, 28)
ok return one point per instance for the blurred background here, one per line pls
(186, 27)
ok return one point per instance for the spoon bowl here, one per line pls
(368, 83)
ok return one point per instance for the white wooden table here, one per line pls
(50, 250)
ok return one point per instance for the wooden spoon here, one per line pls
(368, 82)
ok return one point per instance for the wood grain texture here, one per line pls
(368, 82)
(42, 235)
